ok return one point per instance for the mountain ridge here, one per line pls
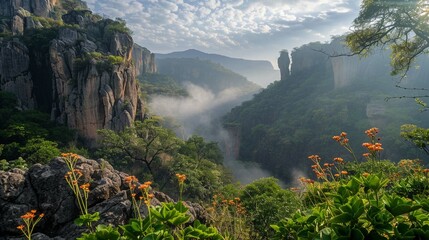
(260, 72)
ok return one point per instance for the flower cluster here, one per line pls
(342, 138)
(344, 141)
(30, 222)
(325, 171)
(181, 177)
(374, 147)
(138, 199)
(72, 177)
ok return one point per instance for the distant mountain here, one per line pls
(204, 73)
(258, 71)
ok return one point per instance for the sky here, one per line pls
(249, 29)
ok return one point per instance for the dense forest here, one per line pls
(295, 117)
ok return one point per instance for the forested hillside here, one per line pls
(209, 75)
(296, 117)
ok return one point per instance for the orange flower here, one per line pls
(336, 175)
(336, 138)
(344, 172)
(314, 158)
(181, 177)
(85, 187)
(28, 215)
(343, 134)
(366, 155)
(21, 227)
(150, 195)
(365, 174)
(133, 195)
(41, 215)
(131, 179)
(33, 211)
(338, 160)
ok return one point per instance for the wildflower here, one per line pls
(365, 174)
(344, 172)
(314, 158)
(338, 160)
(133, 195)
(41, 215)
(21, 227)
(131, 179)
(336, 175)
(426, 170)
(326, 165)
(181, 177)
(85, 187)
(336, 138)
(28, 215)
(343, 134)
(366, 155)
(144, 186)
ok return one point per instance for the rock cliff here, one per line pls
(284, 63)
(144, 60)
(80, 69)
(43, 188)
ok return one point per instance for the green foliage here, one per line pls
(29, 134)
(146, 142)
(159, 84)
(198, 149)
(266, 203)
(39, 150)
(359, 208)
(167, 222)
(119, 25)
(401, 25)
(416, 135)
(102, 232)
(48, 22)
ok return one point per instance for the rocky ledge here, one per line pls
(44, 188)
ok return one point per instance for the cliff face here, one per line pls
(144, 60)
(81, 73)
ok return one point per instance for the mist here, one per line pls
(200, 113)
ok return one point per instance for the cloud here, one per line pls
(225, 26)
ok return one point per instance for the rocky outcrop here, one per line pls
(144, 60)
(283, 63)
(308, 58)
(14, 72)
(90, 93)
(40, 8)
(83, 77)
(43, 188)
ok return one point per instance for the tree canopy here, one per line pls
(403, 25)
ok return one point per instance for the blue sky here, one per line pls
(251, 29)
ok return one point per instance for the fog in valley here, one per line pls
(200, 113)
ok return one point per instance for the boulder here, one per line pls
(44, 188)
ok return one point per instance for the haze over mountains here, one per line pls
(258, 71)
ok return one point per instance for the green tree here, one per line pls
(417, 136)
(402, 25)
(39, 150)
(198, 149)
(145, 142)
(267, 203)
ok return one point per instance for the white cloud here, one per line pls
(165, 25)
